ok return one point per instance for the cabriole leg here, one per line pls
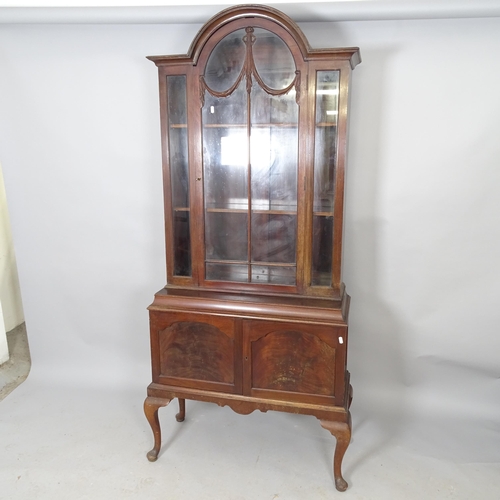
(151, 406)
(182, 410)
(342, 433)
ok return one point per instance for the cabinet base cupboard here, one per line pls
(254, 315)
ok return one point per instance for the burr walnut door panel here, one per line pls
(293, 362)
(198, 351)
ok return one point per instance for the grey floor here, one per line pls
(91, 443)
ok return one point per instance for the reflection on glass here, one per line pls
(226, 235)
(274, 169)
(273, 59)
(274, 150)
(273, 238)
(226, 62)
(327, 93)
(179, 176)
(225, 150)
(325, 139)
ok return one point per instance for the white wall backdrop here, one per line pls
(80, 149)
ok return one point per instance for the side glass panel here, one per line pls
(325, 152)
(250, 159)
(179, 175)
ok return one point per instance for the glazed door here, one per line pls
(250, 121)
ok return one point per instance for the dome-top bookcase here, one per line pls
(254, 312)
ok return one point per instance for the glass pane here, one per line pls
(227, 272)
(182, 244)
(179, 173)
(273, 238)
(322, 250)
(225, 150)
(327, 94)
(275, 275)
(226, 236)
(177, 140)
(274, 151)
(226, 62)
(176, 88)
(273, 59)
(274, 160)
(279, 110)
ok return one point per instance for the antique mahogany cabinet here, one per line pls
(254, 313)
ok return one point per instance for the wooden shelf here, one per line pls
(253, 125)
(253, 211)
(244, 125)
(253, 263)
(227, 210)
(246, 210)
(275, 212)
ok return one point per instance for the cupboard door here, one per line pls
(293, 362)
(198, 351)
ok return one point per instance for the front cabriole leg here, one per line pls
(342, 433)
(151, 406)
